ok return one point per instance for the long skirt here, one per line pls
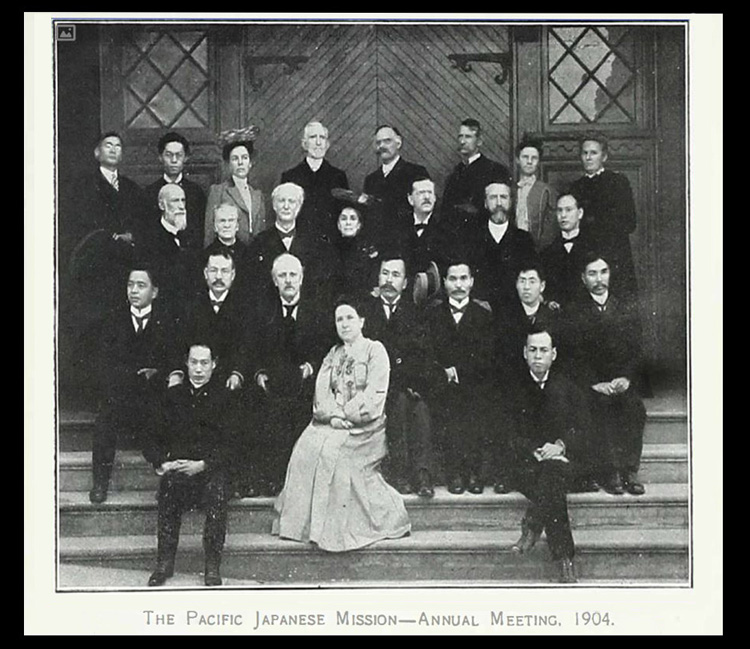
(334, 494)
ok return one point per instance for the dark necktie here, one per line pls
(141, 322)
(289, 311)
(531, 317)
(391, 308)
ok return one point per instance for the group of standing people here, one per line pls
(291, 351)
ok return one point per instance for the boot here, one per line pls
(567, 571)
(102, 473)
(528, 539)
(211, 575)
(164, 570)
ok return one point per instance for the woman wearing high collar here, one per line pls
(334, 494)
(237, 153)
(357, 255)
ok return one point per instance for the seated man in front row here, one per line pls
(462, 334)
(547, 434)
(605, 338)
(190, 452)
(392, 318)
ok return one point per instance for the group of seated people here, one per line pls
(290, 353)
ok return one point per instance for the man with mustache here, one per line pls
(498, 248)
(392, 318)
(606, 342)
(392, 182)
(463, 198)
(462, 335)
(317, 177)
(164, 245)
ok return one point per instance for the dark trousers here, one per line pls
(132, 410)
(545, 485)
(618, 438)
(409, 436)
(179, 493)
(462, 420)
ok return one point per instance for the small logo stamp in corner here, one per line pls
(65, 32)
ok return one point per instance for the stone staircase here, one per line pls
(456, 539)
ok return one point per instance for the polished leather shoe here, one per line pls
(501, 487)
(614, 485)
(98, 494)
(528, 539)
(456, 485)
(475, 485)
(633, 485)
(425, 488)
(212, 577)
(567, 571)
(160, 576)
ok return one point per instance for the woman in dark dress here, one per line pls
(358, 256)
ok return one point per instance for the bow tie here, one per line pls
(572, 240)
(457, 309)
(288, 235)
(530, 180)
(216, 304)
(420, 226)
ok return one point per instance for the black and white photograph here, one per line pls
(372, 324)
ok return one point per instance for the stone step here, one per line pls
(659, 463)
(438, 557)
(135, 512)
(662, 427)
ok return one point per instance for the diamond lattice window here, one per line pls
(592, 74)
(166, 80)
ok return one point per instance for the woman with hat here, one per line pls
(237, 153)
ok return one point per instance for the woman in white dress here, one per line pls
(334, 494)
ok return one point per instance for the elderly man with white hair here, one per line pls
(322, 269)
(317, 177)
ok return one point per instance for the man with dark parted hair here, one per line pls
(190, 450)
(462, 335)
(392, 318)
(548, 431)
(607, 201)
(174, 151)
(317, 177)
(563, 258)
(535, 200)
(392, 182)
(606, 342)
(463, 197)
(135, 345)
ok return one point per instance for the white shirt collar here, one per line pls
(497, 230)
(240, 183)
(387, 168)
(600, 299)
(314, 163)
(108, 175)
(524, 181)
(169, 227)
(140, 313)
(570, 235)
(295, 302)
(221, 298)
(531, 310)
(542, 380)
(391, 304)
(176, 181)
(282, 230)
(596, 173)
(426, 219)
(458, 305)
(471, 159)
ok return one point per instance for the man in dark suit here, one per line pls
(110, 208)
(462, 335)
(294, 332)
(322, 269)
(563, 258)
(607, 201)
(190, 451)
(317, 177)
(535, 200)
(174, 151)
(393, 319)
(165, 246)
(226, 225)
(134, 356)
(547, 433)
(605, 334)
(463, 198)
(497, 249)
(392, 183)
